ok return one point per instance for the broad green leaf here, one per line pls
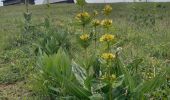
(79, 72)
(118, 82)
(74, 88)
(62, 62)
(79, 91)
(55, 89)
(96, 97)
(97, 86)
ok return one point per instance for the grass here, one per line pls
(142, 42)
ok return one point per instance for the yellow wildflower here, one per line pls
(83, 15)
(108, 56)
(107, 38)
(84, 37)
(107, 9)
(83, 18)
(96, 22)
(106, 23)
(111, 77)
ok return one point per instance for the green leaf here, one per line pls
(73, 87)
(118, 82)
(79, 91)
(88, 82)
(134, 64)
(128, 78)
(98, 85)
(79, 72)
(55, 89)
(96, 97)
(62, 63)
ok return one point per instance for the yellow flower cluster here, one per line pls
(107, 10)
(106, 23)
(85, 37)
(83, 15)
(96, 23)
(107, 38)
(111, 77)
(108, 56)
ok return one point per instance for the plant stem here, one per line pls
(83, 8)
(95, 33)
(110, 82)
(83, 28)
(154, 73)
(26, 5)
(108, 47)
(110, 92)
(86, 59)
(107, 30)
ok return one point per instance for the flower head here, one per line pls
(83, 17)
(96, 23)
(106, 23)
(107, 38)
(85, 14)
(108, 78)
(107, 9)
(84, 37)
(112, 77)
(108, 56)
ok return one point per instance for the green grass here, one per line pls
(141, 42)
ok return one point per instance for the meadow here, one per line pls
(59, 51)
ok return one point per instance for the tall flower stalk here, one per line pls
(26, 6)
(108, 56)
(27, 16)
(95, 23)
(83, 19)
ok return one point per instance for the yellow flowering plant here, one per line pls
(107, 38)
(88, 74)
(95, 22)
(83, 18)
(108, 56)
(85, 37)
(107, 10)
(106, 23)
(96, 65)
(106, 78)
(109, 77)
(84, 40)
